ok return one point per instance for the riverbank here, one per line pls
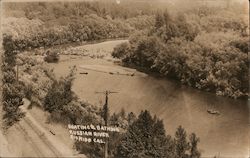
(76, 44)
(157, 74)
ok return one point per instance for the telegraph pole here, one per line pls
(105, 117)
(17, 71)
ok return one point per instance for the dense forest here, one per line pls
(35, 25)
(204, 47)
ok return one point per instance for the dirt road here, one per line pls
(28, 138)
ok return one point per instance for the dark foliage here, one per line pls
(194, 153)
(241, 44)
(146, 137)
(52, 57)
(84, 21)
(11, 90)
(212, 59)
(60, 93)
(181, 143)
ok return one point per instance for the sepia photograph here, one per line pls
(124, 79)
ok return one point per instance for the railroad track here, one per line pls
(40, 140)
(29, 140)
(43, 138)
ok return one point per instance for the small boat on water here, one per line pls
(214, 112)
(83, 73)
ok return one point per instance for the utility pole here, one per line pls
(17, 69)
(105, 117)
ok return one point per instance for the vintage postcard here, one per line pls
(124, 78)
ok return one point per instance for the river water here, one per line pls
(225, 134)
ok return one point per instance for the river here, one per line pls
(225, 134)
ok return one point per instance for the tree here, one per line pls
(181, 143)
(131, 118)
(12, 99)
(10, 52)
(60, 93)
(170, 147)
(164, 145)
(12, 90)
(119, 121)
(166, 16)
(105, 111)
(121, 50)
(144, 138)
(122, 114)
(241, 44)
(52, 57)
(194, 153)
(159, 20)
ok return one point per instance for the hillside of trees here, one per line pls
(45, 24)
(205, 48)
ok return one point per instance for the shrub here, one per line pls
(121, 50)
(52, 57)
(60, 93)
